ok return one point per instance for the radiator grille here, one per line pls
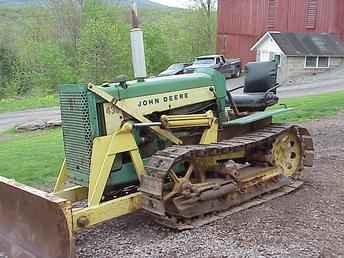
(77, 132)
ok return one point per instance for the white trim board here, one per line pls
(263, 38)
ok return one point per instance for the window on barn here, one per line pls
(225, 42)
(311, 14)
(272, 14)
(317, 62)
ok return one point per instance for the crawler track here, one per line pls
(161, 164)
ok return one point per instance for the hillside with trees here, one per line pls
(74, 41)
(140, 3)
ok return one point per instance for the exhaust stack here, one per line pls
(137, 45)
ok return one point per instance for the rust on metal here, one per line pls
(193, 199)
(34, 224)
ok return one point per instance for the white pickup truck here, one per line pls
(228, 67)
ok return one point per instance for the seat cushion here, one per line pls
(254, 101)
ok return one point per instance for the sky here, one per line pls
(175, 3)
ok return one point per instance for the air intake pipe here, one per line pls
(137, 45)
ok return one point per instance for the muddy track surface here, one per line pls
(307, 223)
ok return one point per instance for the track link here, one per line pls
(180, 224)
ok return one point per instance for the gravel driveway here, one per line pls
(307, 223)
(9, 120)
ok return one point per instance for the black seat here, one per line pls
(254, 102)
(259, 89)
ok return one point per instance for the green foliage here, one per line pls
(104, 48)
(32, 158)
(156, 49)
(186, 34)
(203, 38)
(43, 64)
(62, 42)
(312, 107)
(29, 102)
(7, 71)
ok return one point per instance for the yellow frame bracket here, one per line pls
(104, 154)
(61, 178)
(105, 150)
(210, 135)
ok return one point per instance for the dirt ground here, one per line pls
(306, 223)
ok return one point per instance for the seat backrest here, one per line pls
(260, 77)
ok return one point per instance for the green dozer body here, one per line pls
(83, 118)
(112, 134)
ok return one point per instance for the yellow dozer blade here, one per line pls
(33, 224)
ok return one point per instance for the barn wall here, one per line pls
(242, 22)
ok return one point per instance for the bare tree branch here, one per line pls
(208, 8)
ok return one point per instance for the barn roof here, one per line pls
(307, 43)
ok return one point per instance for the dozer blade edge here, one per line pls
(34, 224)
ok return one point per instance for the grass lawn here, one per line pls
(311, 107)
(32, 159)
(10, 105)
(35, 158)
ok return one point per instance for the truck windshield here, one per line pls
(175, 67)
(204, 61)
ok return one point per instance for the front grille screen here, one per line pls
(76, 132)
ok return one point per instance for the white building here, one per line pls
(300, 53)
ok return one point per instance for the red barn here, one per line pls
(242, 22)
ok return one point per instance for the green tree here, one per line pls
(104, 45)
(205, 11)
(7, 71)
(156, 49)
(41, 68)
(67, 41)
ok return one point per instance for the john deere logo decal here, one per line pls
(165, 99)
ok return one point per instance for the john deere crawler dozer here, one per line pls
(184, 148)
